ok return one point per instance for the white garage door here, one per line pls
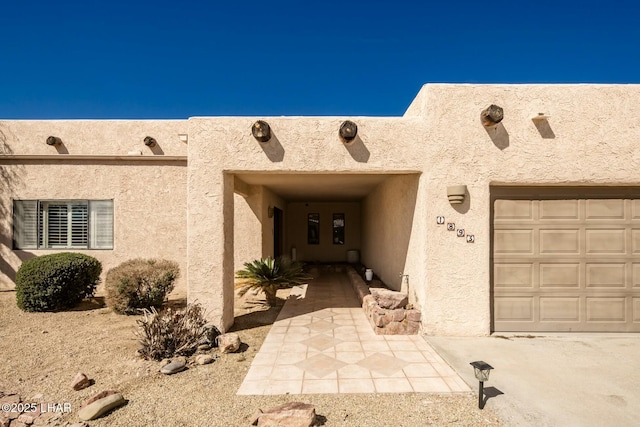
(566, 259)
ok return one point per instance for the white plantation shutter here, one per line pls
(54, 225)
(25, 224)
(63, 224)
(101, 224)
(79, 217)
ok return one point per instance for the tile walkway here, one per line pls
(322, 342)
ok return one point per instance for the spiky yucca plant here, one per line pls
(269, 275)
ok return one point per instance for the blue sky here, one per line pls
(138, 59)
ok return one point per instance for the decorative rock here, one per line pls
(98, 396)
(292, 414)
(398, 315)
(394, 328)
(204, 359)
(211, 333)
(28, 417)
(10, 399)
(228, 343)
(204, 347)
(80, 381)
(173, 367)
(101, 407)
(389, 299)
(48, 419)
(413, 315)
(412, 328)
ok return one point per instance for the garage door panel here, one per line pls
(635, 209)
(636, 310)
(606, 275)
(560, 275)
(510, 210)
(560, 309)
(513, 275)
(605, 209)
(514, 241)
(559, 209)
(605, 309)
(635, 241)
(562, 241)
(510, 309)
(564, 262)
(605, 241)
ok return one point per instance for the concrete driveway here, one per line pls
(554, 380)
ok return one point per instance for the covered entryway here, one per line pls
(319, 218)
(566, 259)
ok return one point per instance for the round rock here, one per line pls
(173, 367)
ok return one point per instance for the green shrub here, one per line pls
(57, 281)
(139, 284)
(269, 275)
(171, 332)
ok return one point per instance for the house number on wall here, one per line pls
(461, 232)
(440, 220)
(471, 238)
(451, 226)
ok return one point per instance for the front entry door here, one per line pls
(277, 232)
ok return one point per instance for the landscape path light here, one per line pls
(481, 370)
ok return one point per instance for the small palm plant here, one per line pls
(269, 275)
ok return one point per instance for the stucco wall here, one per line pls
(149, 195)
(388, 220)
(219, 147)
(325, 251)
(247, 229)
(591, 138)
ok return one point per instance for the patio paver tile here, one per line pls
(323, 343)
(356, 385)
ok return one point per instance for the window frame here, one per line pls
(92, 225)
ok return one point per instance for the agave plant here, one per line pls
(269, 275)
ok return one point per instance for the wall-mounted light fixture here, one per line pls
(261, 131)
(456, 194)
(150, 141)
(183, 137)
(481, 370)
(270, 211)
(492, 115)
(348, 131)
(54, 141)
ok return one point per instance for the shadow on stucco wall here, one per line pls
(388, 216)
(273, 149)
(61, 148)
(157, 150)
(545, 129)
(498, 135)
(10, 181)
(358, 150)
(463, 207)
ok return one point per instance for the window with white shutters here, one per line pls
(63, 224)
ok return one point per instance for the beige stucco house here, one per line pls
(547, 237)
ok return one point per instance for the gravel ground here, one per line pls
(41, 352)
